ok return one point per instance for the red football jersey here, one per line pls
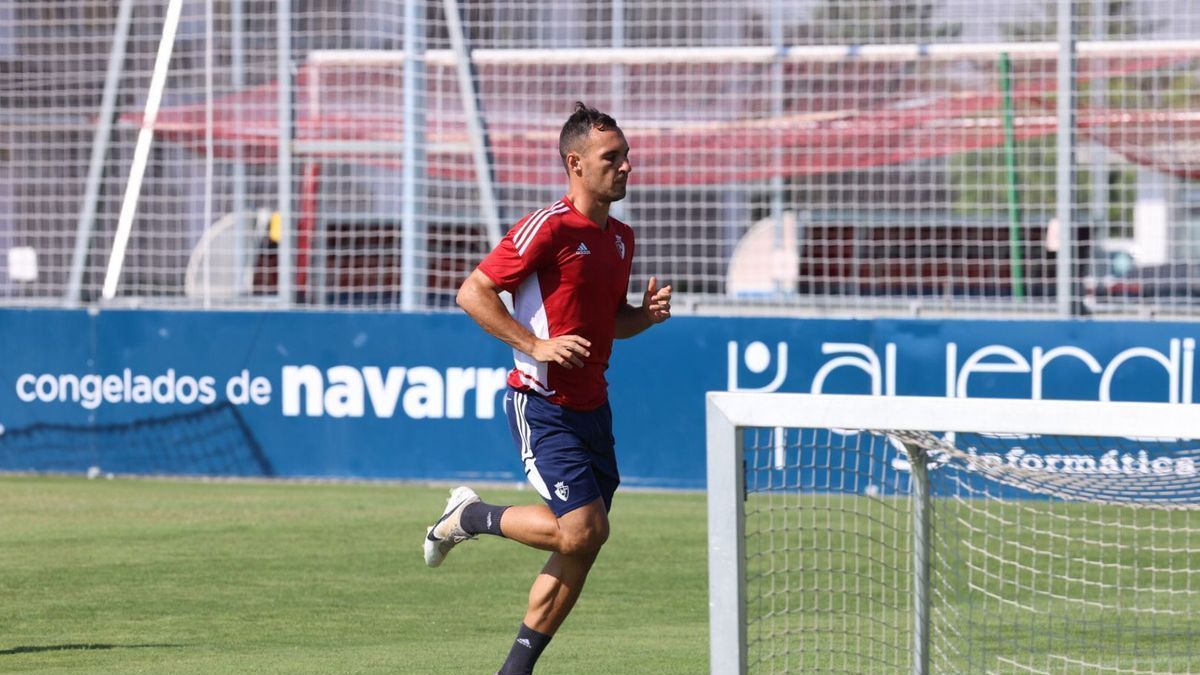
(567, 277)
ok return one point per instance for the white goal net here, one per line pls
(928, 535)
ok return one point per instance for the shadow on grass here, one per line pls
(34, 649)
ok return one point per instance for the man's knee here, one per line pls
(583, 535)
(584, 542)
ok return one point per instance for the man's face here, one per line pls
(603, 164)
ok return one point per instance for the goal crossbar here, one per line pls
(914, 413)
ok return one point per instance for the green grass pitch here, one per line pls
(149, 576)
(146, 576)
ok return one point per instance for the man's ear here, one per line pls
(573, 161)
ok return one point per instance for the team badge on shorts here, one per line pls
(562, 490)
(620, 247)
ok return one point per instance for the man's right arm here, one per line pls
(479, 297)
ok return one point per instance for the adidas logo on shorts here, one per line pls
(582, 250)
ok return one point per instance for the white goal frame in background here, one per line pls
(729, 412)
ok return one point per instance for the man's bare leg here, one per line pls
(536, 525)
(575, 540)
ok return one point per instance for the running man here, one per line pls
(567, 266)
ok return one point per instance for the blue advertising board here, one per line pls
(418, 396)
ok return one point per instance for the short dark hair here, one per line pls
(579, 125)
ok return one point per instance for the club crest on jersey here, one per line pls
(562, 490)
(620, 247)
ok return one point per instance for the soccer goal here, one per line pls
(210, 441)
(860, 534)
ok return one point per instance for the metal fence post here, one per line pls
(1068, 304)
(100, 140)
(921, 521)
(283, 176)
(413, 161)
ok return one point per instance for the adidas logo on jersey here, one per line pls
(582, 250)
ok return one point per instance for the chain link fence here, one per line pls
(816, 157)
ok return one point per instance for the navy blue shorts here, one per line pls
(569, 455)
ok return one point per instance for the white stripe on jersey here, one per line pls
(523, 229)
(530, 311)
(522, 241)
(530, 230)
(524, 226)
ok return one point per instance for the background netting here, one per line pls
(1050, 554)
(842, 157)
(212, 441)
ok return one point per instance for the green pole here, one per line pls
(1016, 255)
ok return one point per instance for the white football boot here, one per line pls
(447, 532)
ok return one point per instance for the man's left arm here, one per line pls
(656, 308)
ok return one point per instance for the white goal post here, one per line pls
(923, 534)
